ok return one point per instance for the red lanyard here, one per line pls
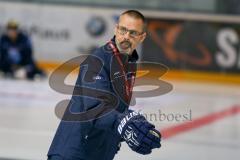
(128, 86)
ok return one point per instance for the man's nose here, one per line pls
(127, 35)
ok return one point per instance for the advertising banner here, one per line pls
(193, 45)
(60, 32)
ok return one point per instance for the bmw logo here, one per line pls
(96, 26)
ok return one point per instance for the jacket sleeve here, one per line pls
(27, 44)
(3, 48)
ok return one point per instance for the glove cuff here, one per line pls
(123, 121)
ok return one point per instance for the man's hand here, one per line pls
(140, 135)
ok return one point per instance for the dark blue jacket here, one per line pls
(22, 43)
(95, 139)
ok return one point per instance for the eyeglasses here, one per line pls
(123, 30)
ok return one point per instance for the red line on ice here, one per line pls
(199, 122)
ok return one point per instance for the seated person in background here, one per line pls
(16, 51)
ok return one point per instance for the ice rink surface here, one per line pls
(210, 129)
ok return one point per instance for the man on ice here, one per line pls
(104, 89)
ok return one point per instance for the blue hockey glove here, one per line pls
(140, 135)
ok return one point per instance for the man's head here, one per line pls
(130, 31)
(12, 30)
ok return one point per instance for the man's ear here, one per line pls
(143, 36)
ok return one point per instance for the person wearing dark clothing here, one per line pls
(16, 51)
(98, 118)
